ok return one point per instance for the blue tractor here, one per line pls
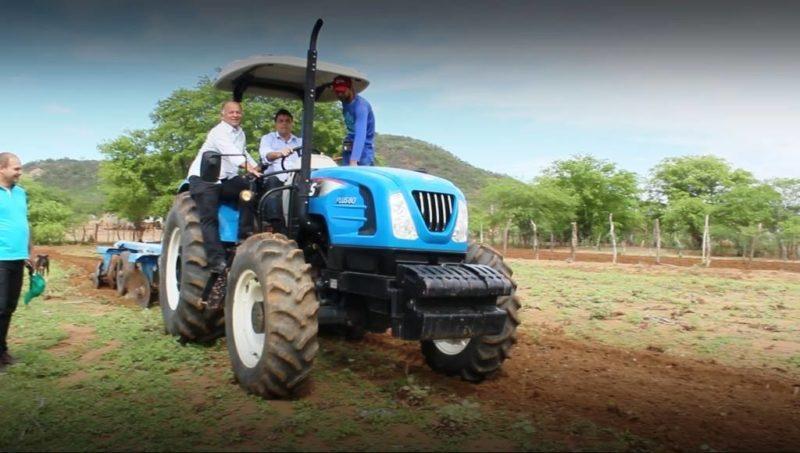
(369, 249)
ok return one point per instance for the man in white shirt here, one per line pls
(276, 153)
(228, 139)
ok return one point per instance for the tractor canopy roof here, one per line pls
(284, 77)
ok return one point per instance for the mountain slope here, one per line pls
(76, 180)
(413, 154)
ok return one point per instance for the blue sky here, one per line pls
(507, 86)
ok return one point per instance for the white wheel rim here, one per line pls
(173, 255)
(247, 293)
(452, 346)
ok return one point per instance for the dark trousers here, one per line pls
(274, 201)
(10, 287)
(207, 197)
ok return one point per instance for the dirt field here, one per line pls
(627, 357)
(639, 256)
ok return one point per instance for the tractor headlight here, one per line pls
(462, 223)
(246, 195)
(402, 223)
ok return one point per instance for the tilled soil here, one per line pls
(720, 263)
(682, 403)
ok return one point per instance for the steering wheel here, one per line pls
(296, 149)
(299, 151)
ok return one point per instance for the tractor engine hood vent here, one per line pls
(436, 209)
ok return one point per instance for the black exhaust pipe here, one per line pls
(309, 98)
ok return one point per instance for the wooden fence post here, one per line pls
(754, 241)
(613, 239)
(574, 242)
(706, 244)
(657, 234)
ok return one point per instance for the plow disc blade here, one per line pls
(95, 276)
(137, 287)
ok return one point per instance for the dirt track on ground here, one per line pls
(596, 257)
(682, 403)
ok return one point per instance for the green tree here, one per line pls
(49, 213)
(686, 215)
(704, 177)
(144, 168)
(541, 201)
(789, 189)
(599, 188)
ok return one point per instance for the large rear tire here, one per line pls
(477, 358)
(183, 273)
(271, 316)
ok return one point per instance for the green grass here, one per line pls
(146, 392)
(695, 312)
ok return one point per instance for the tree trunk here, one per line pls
(597, 244)
(480, 234)
(657, 234)
(552, 241)
(96, 233)
(574, 242)
(784, 250)
(613, 238)
(706, 244)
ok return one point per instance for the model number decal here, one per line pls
(345, 200)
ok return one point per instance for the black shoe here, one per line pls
(218, 268)
(216, 297)
(7, 359)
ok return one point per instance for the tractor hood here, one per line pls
(406, 180)
(389, 208)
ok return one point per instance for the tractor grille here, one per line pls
(436, 209)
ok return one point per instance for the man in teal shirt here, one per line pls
(15, 245)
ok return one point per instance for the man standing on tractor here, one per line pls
(277, 155)
(15, 245)
(228, 139)
(360, 122)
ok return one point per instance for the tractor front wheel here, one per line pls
(474, 359)
(271, 316)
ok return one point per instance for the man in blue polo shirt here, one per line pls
(360, 123)
(15, 245)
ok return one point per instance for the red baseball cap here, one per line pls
(342, 83)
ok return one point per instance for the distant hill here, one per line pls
(413, 154)
(77, 180)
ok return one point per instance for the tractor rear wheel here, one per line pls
(476, 358)
(271, 316)
(183, 273)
